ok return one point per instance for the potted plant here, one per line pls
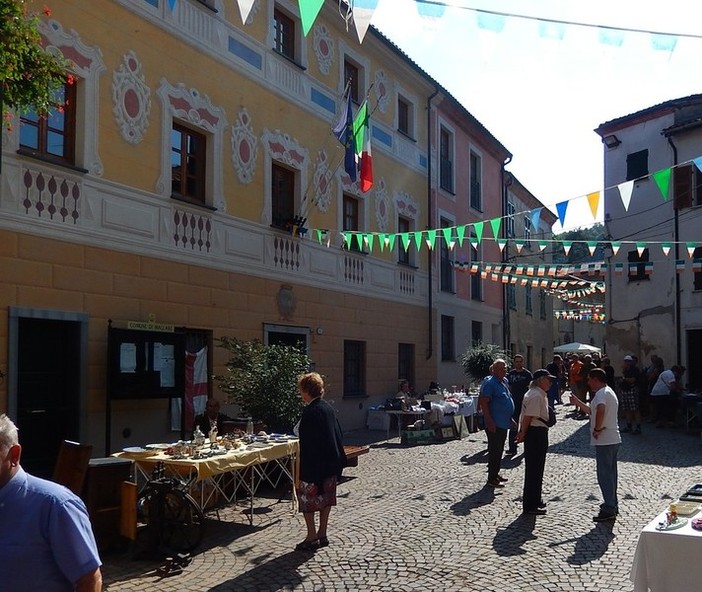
(262, 380)
(476, 360)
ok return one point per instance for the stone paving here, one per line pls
(418, 518)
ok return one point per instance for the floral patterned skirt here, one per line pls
(310, 499)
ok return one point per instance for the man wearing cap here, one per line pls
(629, 395)
(604, 436)
(533, 431)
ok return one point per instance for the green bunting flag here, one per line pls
(662, 179)
(495, 223)
(448, 236)
(418, 239)
(309, 9)
(479, 230)
(347, 239)
(391, 241)
(405, 236)
(460, 233)
(381, 241)
(431, 238)
(359, 241)
(369, 240)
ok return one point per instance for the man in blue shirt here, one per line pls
(46, 541)
(497, 406)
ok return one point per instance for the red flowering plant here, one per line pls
(30, 77)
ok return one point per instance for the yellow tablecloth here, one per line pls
(206, 468)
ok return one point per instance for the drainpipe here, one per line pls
(506, 333)
(676, 238)
(430, 223)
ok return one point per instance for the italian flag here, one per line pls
(362, 139)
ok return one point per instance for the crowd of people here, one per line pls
(517, 407)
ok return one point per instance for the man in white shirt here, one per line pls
(664, 394)
(604, 436)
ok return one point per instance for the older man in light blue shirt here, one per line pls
(46, 540)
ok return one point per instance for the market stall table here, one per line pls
(416, 413)
(668, 561)
(220, 476)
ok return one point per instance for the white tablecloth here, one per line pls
(668, 561)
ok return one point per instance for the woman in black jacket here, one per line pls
(322, 459)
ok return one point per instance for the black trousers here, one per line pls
(535, 447)
(496, 446)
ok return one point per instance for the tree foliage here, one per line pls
(262, 380)
(476, 360)
(30, 76)
(579, 252)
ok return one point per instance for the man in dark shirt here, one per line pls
(518, 378)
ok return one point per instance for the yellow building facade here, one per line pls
(200, 145)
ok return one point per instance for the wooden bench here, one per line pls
(353, 452)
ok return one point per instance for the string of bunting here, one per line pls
(474, 233)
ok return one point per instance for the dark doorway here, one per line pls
(48, 388)
(694, 352)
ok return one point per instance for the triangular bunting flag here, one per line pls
(542, 245)
(382, 241)
(430, 10)
(448, 237)
(501, 243)
(495, 223)
(431, 238)
(405, 237)
(662, 179)
(698, 162)
(561, 208)
(691, 248)
(490, 22)
(519, 245)
(390, 241)
(369, 240)
(460, 233)
(591, 246)
(625, 190)
(309, 9)
(418, 239)
(359, 241)
(362, 14)
(594, 200)
(245, 7)
(640, 248)
(566, 246)
(479, 230)
(536, 219)
(347, 239)
(172, 4)
(615, 247)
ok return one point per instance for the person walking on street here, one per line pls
(518, 378)
(533, 431)
(497, 407)
(604, 436)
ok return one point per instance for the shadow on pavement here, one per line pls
(509, 541)
(483, 497)
(267, 575)
(590, 546)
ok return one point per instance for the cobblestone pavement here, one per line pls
(417, 518)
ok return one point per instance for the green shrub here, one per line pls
(476, 360)
(262, 380)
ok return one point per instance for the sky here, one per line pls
(541, 96)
